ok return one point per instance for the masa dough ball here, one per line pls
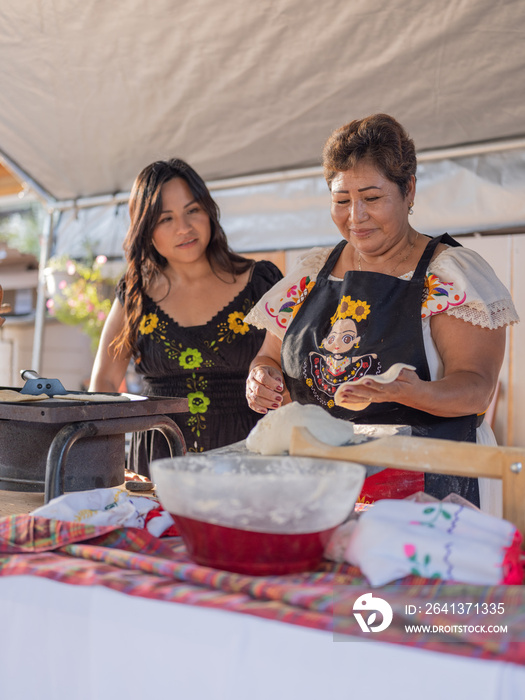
(271, 435)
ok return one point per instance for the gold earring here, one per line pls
(410, 209)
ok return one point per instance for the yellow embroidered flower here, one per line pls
(236, 323)
(148, 324)
(345, 309)
(330, 403)
(198, 402)
(190, 359)
(361, 310)
(309, 382)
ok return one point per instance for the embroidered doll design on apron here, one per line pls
(340, 362)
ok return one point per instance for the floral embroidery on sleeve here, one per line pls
(439, 296)
(288, 305)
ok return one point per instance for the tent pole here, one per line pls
(40, 311)
(450, 153)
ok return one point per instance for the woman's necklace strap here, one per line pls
(400, 262)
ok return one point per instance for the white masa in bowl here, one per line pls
(268, 510)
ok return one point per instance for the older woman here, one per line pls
(404, 297)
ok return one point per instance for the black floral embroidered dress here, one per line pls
(207, 364)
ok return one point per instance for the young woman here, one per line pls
(180, 311)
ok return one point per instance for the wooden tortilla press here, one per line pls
(435, 456)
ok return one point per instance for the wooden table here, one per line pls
(14, 502)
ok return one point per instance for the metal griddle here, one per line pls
(56, 445)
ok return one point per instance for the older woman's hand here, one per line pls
(402, 390)
(264, 388)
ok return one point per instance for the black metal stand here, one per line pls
(69, 434)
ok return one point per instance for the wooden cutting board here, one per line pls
(431, 455)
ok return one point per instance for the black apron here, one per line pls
(362, 325)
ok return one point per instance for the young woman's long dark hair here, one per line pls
(144, 262)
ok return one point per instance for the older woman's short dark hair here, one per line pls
(379, 139)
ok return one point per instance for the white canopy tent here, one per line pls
(91, 92)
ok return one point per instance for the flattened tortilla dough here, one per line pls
(387, 377)
(91, 397)
(272, 434)
(12, 396)
(351, 406)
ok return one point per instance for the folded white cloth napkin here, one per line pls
(396, 538)
(113, 506)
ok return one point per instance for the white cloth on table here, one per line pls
(112, 506)
(396, 538)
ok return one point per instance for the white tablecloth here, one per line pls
(65, 642)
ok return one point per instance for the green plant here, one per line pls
(21, 229)
(83, 295)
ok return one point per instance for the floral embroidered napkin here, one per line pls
(439, 540)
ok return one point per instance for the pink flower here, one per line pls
(71, 268)
(90, 307)
(101, 316)
(62, 284)
(50, 304)
(410, 550)
(101, 259)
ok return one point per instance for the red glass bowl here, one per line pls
(256, 514)
(252, 553)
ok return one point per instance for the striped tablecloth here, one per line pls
(134, 562)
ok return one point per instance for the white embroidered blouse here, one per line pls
(459, 282)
